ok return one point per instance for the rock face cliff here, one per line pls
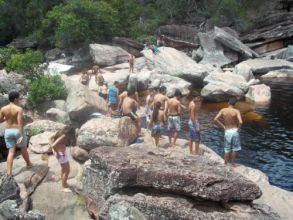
(152, 184)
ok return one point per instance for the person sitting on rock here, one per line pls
(58, 142)
(174, 111)
(14, 133)
(129, 108)
(193, 124)
(103, 91)
(148, 107)
(113, 97)
(154, 49)
(131, 60)
(231, 124)
(84, 79)
(157, 122)
(99, 79)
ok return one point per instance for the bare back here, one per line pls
(231, 117)
(162, 99)
(129, 105)
(13, 115)
(193, 111)
(149, 101)
(174, 106)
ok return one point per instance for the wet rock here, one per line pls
(261, 66)
(213, 52)
(9, 189)
(23, 43)
(233, 43)
(97, 132)
(40, 143)
(81, 58)
(105, 55)
(200, 178)
(40, 126)
(175, 63)
(259, 93)
(81, 101)
(127, 131)
(282, 73)
(148, 206)
(12, 82)
(53, 54)
(131, 46)
(80, 154)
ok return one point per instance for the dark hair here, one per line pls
(162, 89)
(232, 101)
(178, 93)
(195, 94)
(116, 83)
(130, 92)
(156, 112)
(13, 95)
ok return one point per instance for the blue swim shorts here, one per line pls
(193, 134)
(11, 136)
(174, 122)
(156, 129)
(232, 140)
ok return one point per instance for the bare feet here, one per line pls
(30, 165)
(66, 190)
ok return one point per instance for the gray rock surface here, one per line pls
(9, 189)
(196, 177)
(282, 73)
(40, 143)
(53, 54)
(131, 46)
(287, 54)
(40, 126)
(166, 207)
(12, 82)
(127, 131)
(80, 154)
(233, 43)
(105, 55)
(244, 70)
(259, 93)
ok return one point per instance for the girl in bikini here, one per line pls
(59, 149)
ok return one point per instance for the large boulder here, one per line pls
(282, 73)
(97, 132)
(40, 143)
(81, 102)
(143, 206)
(80, 154)
(3, 100)
(175, 63)
(40, 126)
(53, 54)
(262, 66)
(105, 55)
(9, 189)
(127, 131)
(195, 177)
(244, 70)
(233, 43)
(131, 46)
(222, 86)
(213, 52)
(58, 115)
(12, 81)
(121, 76)
(259, 93)
(43, 107)
(287, 54)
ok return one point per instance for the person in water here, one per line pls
(193, 124)
(148, 107)
(131, 60)
(14, 134)
(231, 124)
(173, 112)
(157, 122)
(129, 108)
(113, 97)
(85, 78)
(58, 142)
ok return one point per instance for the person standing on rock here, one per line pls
(148, 107)
(14, 134)
(58, 142)
(157, 122)
(193, 124)
(174, 111)
(129, 108)
(161, 97)
(131, 60)
(113, 97)
(232, 123)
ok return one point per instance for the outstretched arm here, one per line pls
(240, 122)
(217, 120)
(57, 142)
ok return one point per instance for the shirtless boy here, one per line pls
(161, 97)
(193, 124)
(148, 107)
(14, 133)
(98, 75)
(129, 108)
(232, 122)
(131, 60)
(174, 111)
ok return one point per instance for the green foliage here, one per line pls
(26, 63)
(6, 53)
(46, 88)
(34, 131)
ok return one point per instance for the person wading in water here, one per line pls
(232, 123)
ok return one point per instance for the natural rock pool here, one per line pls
(266, 135)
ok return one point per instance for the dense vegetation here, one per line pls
(71, 23)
